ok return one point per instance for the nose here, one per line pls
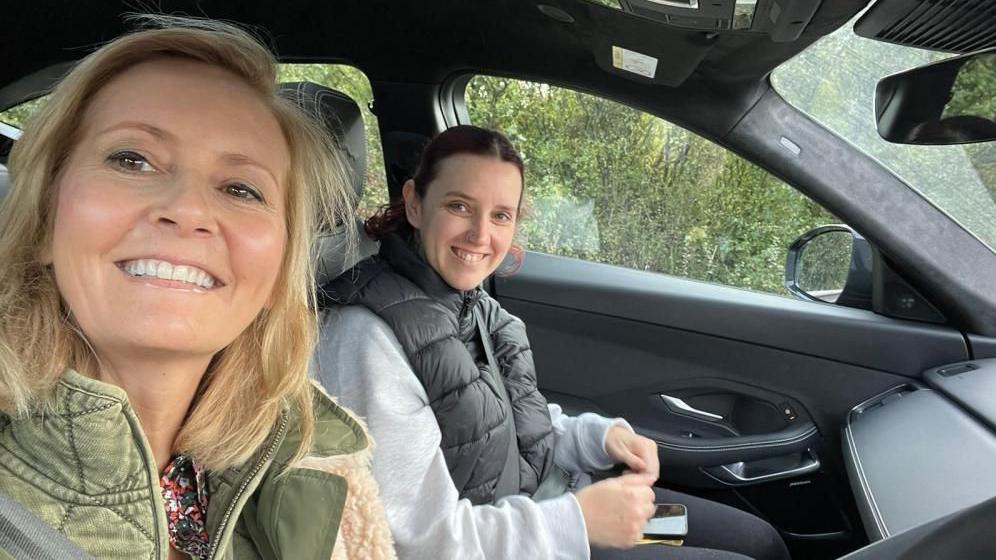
(480, 231)
(185, 209)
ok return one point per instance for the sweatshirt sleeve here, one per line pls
(360, 362)
(580, 443)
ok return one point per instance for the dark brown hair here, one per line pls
(463, 139)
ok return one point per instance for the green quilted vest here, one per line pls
(87, 470)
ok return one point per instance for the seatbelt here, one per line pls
(508, 480)
(25, 537)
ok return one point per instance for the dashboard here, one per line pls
(923, 451)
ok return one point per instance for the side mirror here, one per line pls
(947, 102)
(831, 264)
(834, 264)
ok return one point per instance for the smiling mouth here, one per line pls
(467, 256)
(163, 270)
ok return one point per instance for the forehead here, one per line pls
(479, 177)
(203, 106)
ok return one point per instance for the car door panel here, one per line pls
(844, 335)
(781, 375)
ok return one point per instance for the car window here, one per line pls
(608, 183)
(18, 115)
(834, 82)
(354, 83)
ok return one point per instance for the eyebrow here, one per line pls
(144, 127)
(459, 194)
(234, 158)
(241, 159)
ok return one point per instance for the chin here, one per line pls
(175, 346)
(462, 283)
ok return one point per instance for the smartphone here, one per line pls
(669, 521)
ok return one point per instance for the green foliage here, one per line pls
(611, 184)
(972, 93)
(20, 114)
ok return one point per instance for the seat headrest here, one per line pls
(341, 117)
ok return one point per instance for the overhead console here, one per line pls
(782, 20)
(914, 456)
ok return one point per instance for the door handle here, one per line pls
(679, 451)
(681, 407)
(786, 466)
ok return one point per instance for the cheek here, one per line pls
(88, 219)
(257, 248)
(503, 240)
(446, 228)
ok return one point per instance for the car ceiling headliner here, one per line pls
(428, 41)
(414, 41)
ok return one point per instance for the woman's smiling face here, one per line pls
(169, 229)
(467, 217)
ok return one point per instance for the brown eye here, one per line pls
(243, 191)
(130, 162)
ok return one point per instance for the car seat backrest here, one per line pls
(341, 117)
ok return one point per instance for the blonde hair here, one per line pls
(264, 371)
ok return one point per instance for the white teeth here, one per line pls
(468, 257)
(179, 273)
(166, 271)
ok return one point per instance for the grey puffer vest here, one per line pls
(436, 327)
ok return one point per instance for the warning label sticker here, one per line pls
(632, 61)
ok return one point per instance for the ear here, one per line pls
(413, 204)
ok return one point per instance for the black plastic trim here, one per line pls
(847, 335)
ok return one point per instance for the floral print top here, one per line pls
(185, 494)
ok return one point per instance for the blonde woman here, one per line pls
(156, 317)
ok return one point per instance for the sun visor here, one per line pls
(646, 63)
(662, 42)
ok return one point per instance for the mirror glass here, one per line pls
(823, 264)
(948, 102)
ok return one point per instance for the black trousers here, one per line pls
(715, 532)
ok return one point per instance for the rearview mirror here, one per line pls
(947, 102)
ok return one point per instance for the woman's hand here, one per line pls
(616, 509)
(635, 451)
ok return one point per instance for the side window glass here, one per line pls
(355, 84)
(18, 115)
(608, 183)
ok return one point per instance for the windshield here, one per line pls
(834, 82)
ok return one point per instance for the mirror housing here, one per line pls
(869, 282)
(946, 102)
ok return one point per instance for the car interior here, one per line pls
(862, 428)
